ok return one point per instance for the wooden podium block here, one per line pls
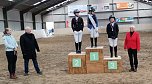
(95, 68)
(76, 63)
(112, 65)
(94, 55)
(94, 60)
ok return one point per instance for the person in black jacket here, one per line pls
(28, 46)
(77, 25)
(112, 31)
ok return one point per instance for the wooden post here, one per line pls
(112, 65)
(76, 63)
(94, 60)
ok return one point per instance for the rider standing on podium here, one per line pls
(77, 25)
(112, 31)
(93, 26)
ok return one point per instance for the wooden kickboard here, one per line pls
(74, 65)
(112, 65)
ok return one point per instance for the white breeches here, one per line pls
(78, 36)
(93, 33)
(113, 42)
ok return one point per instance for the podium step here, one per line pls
(76, 63)
(94, 55)
(95, 68)
(112, 65)
(94, 59)
(98, 47)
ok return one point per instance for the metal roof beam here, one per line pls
(14, 4)
(37, 12)
(46, 12)
(34, 6)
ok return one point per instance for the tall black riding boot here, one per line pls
(115, 49)
(111, 51)
(91, 39)
(76, 47)
(79, 47)
(95, 42)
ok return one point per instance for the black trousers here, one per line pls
(11, 58)
(26, 67)
(133, 58)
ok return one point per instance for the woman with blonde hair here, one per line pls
(132, 44)
(11, 51)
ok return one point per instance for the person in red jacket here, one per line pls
(132, 44)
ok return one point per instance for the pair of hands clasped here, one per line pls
(15, 49)
(96, 29)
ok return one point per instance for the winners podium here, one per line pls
(93, 61)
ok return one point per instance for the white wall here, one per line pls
(38, 22)
(57, 17)
(13, 17)
(1, 14)
(1, 20)
(1, 25)
(28, 20)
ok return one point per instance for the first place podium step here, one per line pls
(94, 55)
(94, 59)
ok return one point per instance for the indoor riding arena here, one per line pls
(60, 36)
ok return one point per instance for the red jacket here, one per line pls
(133, 41)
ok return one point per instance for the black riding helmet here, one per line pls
(91, 9)
(111, 16)
(76, 11)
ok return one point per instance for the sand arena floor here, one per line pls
(53, 62)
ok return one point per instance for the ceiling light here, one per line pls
(62, 3)
(10, 0)
(47, 9)
(51, 8)
(58, 4)
(43, 0)
(55, 6)
(37, 3)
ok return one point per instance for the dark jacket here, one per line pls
(90, 25)
(78, 24)
(112, 34)
(28, 46)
